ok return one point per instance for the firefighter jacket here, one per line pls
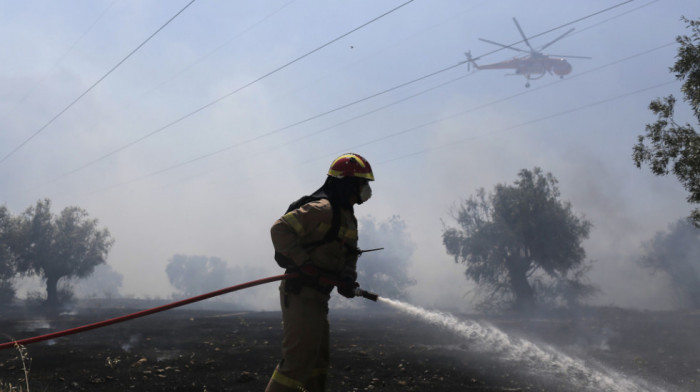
(309, 224)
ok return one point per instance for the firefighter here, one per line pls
(318, 240)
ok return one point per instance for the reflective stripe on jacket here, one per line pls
(310, 223)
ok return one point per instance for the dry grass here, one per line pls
(26, 361)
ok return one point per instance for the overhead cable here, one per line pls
(344, 106)
(240, 143)
(70, 49)
(221, 98)
(500, 100)
(558, 114)
(556, 28)
(432, 122)
(93, 85)
(218, 48)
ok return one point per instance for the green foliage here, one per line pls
(68, 245)
(521, 244)
(668, 146)
(676, 253)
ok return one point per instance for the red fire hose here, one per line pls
(145, 312)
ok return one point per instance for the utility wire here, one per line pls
(93, 85)
(238, 144)
(218, 48)
(188, 67)
(70, 49)
(613, 17)
(365, 114)
(190, 114)
(576, 109)
(423, 125)
(512, 127)
(555, 28)
(482, 106)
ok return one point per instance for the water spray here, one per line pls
(541, 360)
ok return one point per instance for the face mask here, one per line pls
(365, 193)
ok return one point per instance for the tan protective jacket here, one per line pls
(310, 223)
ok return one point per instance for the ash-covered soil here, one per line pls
(382, 350)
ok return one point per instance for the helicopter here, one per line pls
(532, 66)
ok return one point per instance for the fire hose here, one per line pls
(358, 292)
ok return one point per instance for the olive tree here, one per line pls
(671, 147)
(521, 244)
(63, 246)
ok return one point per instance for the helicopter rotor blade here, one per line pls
(503, 46)
(523, 35)
(570, 57)
(557, 39)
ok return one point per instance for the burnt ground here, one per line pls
(199, 350)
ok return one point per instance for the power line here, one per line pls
(344, 106)
(93, 85)
(181, 72)
(218, 48)
(501, 100)
(432, 122)
(576, 109)
(70, 49)
(614, 17)
(190, 114)
(557, 28)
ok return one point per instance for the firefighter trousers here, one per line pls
(305, 343)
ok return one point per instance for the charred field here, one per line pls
(213, 350)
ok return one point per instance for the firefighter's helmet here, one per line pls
(351, 165)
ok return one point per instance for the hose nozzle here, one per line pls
(366, 294)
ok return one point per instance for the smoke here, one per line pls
(385, 271)
(104, 282)
(676, 253)
(195, 275)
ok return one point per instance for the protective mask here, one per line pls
(365, 193)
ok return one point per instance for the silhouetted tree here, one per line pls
(521, 243)
(7, 257)
(676, 253)
(385, 271)
(68, 245)
(674, 147)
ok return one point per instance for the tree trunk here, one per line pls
(524, 294)
(52, 291)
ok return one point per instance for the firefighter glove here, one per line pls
(348, 274)
(347, 289)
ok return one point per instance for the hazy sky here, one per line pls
(197, 141)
